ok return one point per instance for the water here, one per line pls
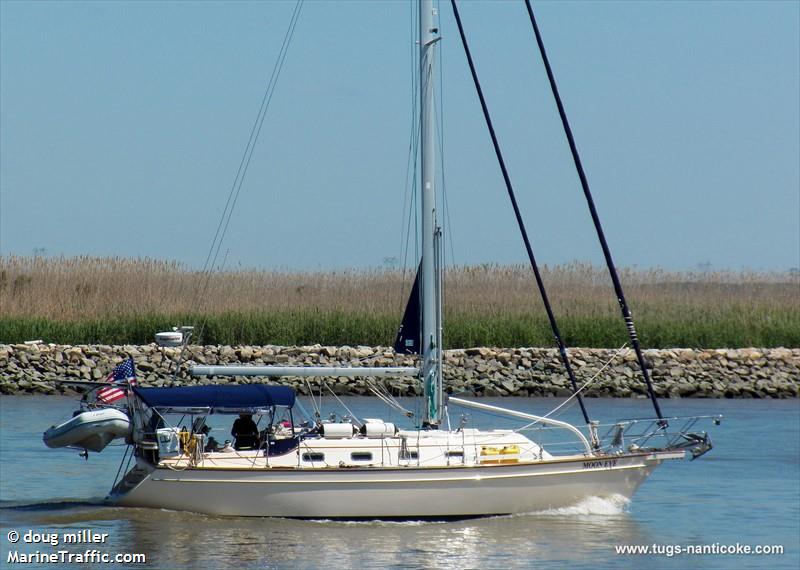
(747, 491)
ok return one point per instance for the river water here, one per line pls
(745, 491)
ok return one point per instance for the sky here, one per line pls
(122, 125)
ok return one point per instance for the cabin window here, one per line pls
(455, 454)
(313, 457)
(406, 455)
(361, 456)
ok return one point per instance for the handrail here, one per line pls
(557, 423)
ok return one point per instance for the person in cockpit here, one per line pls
(245, 433)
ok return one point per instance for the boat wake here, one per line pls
(591, 506)
(50, 505)
(378, 522)
(610, 506)
(59, 512)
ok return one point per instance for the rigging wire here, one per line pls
(581, 389)
(386, 397)
(349, 411)
(409, 211)
(412, 129)
(447, 234)
(255, 131)
(539, 281)
(314, 406)
(623, 305)
(445, 204)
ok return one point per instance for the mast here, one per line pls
(431, 266)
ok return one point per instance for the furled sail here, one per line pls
(408, 335)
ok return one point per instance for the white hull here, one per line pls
(383, 493)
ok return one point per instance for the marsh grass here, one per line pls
(120, 300)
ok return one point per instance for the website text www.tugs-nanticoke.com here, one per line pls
(718, 548)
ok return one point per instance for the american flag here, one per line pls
(120, 378)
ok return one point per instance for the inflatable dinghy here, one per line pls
(92, 430)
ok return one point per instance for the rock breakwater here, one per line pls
(677, 373)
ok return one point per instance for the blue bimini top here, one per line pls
(222, 398)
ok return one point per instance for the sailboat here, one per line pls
(373, 469)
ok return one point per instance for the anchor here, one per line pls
(698, 444)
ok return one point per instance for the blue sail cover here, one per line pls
(409, 334)
(232, 397)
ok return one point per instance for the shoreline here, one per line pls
(481, 371)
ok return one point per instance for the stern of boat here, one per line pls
(133, 477)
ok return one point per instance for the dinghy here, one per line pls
(92, 430)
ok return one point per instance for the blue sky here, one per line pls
(122, 125)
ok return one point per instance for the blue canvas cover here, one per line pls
(230, 397)
(409, 334)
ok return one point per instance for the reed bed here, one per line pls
(121, 300)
